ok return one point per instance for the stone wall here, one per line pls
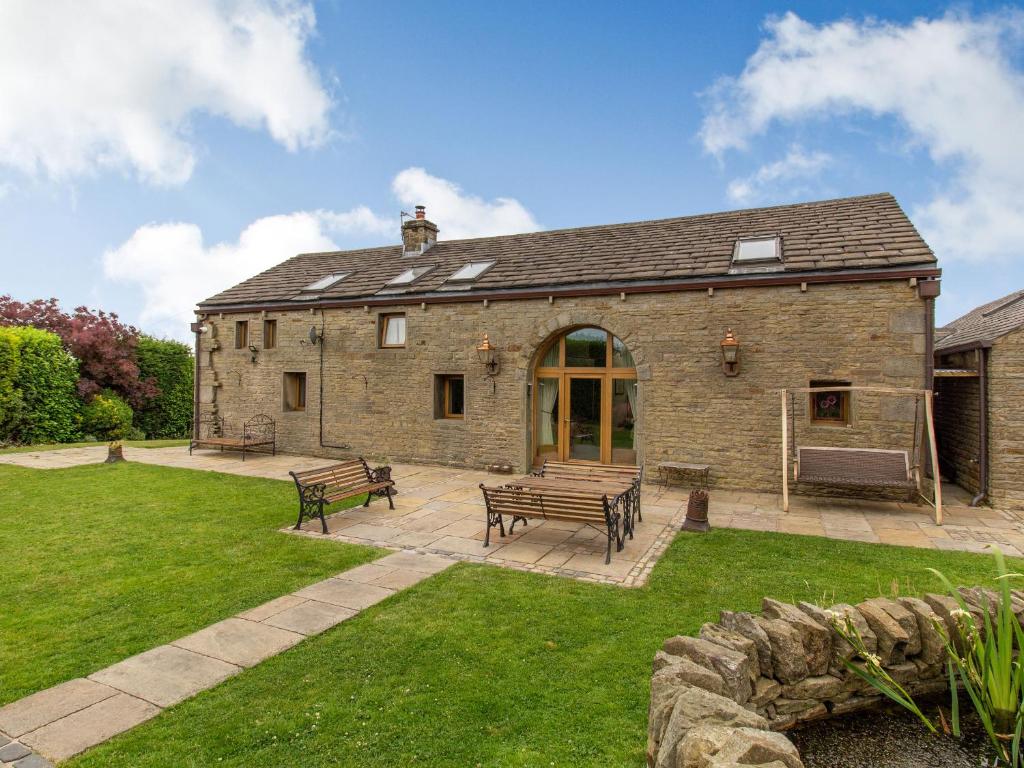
(956, 429)
(720, 699)
(381, 401)
(1006, 421)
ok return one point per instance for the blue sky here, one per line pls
(143, 180)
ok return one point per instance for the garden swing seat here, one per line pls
(862, 467)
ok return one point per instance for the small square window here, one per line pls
(242, 334)
(830, 407)
(391, 331)
(269, 334)
(295, 391)
(449, 396)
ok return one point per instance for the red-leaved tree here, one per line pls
(103, 345)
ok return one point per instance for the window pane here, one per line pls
(270, 334)
(241, 334)
(456, 404)
(621, 358)
(551, 357)
(394, 330)
(623, 421)
(828, 405)
(547, 417)
(295, 391)
(586, 348)
(585, 419)
(472, 271)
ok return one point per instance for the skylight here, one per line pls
(326, 282)
(410, 275)
(757, 249)
(471, 271)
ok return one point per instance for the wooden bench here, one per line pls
(517, 503)
(257, 432)
(866, 467)
(319, 487)
(601, 473)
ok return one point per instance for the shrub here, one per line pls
(41, 387)
(107, 416)
(170, 365)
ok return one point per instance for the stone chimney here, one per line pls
(418, 234)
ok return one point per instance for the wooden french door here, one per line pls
(584, 402)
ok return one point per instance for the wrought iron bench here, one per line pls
(595, 510)
(598, 473)
(320, 487)
(257, 432)
(871, 467)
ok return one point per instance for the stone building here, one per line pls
(979, 414)
(601, 343)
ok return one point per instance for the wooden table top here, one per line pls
(600, 487)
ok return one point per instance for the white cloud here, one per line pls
(951, 82)
(88, 86)
(457, 214)
(797, 165)
(174, 268)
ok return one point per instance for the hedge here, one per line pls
(170, 363)
(38, 395)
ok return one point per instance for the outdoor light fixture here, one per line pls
(488, 354)
(730, 354)
(253, 351)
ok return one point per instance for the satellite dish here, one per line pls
(314, 337)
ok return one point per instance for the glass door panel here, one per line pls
(548, 408)
(623, 421)
(584, 428)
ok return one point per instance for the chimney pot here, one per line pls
(421, 212)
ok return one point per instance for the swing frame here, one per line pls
(929, 427)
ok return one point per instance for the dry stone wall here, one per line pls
(381, 401)
(720, 700)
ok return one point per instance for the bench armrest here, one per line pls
(314, 492)
(380, 474)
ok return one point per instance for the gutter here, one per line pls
(586, 289)
(197, 381)
(982, 428)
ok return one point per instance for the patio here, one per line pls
(440, 510)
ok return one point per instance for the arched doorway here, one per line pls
(585, 404)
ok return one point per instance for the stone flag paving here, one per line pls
(69, 718)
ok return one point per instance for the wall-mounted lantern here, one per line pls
(730, 354)
(488, 354)
(254, 352)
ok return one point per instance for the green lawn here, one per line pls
(103, 561)
(475, 666)
(93, 444)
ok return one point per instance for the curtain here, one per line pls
(547, 395)
(394, 332)
(631, 397)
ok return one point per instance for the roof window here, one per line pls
(409, 276)
(757, 249)
(471, 271)
(326, 282)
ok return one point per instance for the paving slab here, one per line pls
(32, 761)
(414, 561)
(37, 710)
(165, 675)
(348, 594)
(90, 726)
(241, 642)
(310, 618)
(367, 573)
(400, 578)
(13, 751)
(265, 611)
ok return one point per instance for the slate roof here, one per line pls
(982, 326)
(868, 232)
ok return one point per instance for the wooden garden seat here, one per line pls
(257, 432)
(326, 485)
(601, 473)
(869, 467)
(585, 507)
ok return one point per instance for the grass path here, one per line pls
(103, 561)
